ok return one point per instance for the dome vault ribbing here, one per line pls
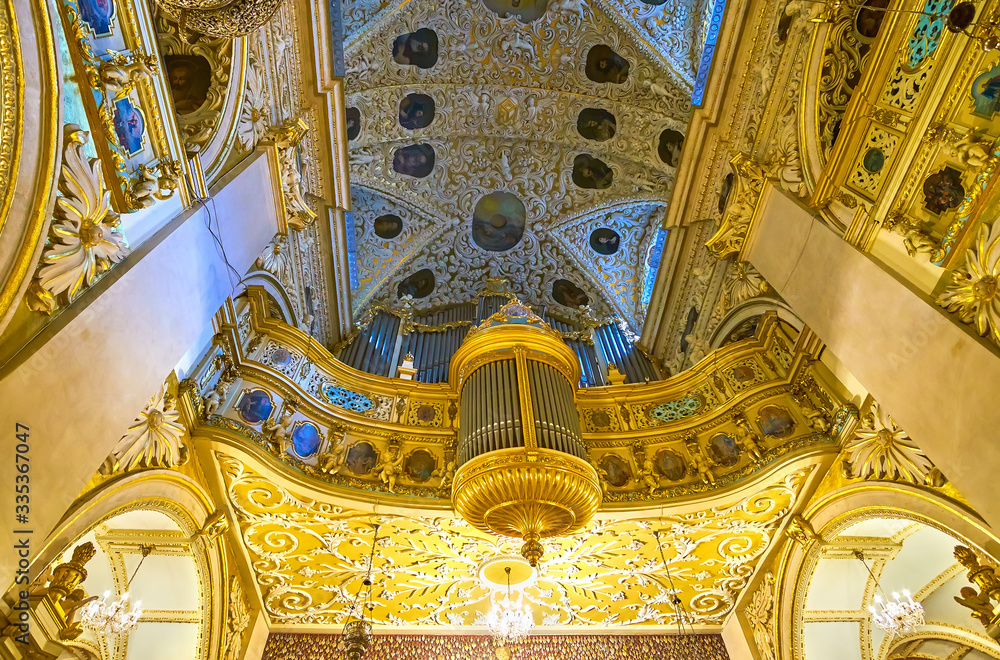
(522, 464)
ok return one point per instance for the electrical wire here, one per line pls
(675, 601)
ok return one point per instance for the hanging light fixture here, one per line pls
(896, 616)
(509, 620)
(117, 618)
(357, 635)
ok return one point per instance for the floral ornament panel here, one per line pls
(309, 557)
(84, 239)
(155, 439)
(972, 292)
(882, 450)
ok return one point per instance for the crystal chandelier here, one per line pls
(116, 618)
(357, 635)
(509, 620)
(893, 617)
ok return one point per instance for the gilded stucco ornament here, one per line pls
(197, 127)
(237, 620)
(747, 188)
(760, 616)
(740, 283)
(915, 239)
(84, 239)
(305, 579)
(155, 439)
(253, 120)
(286, 138)
(972, 292)
(882, 450)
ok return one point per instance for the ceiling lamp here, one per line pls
(894, 617)
(509, 620)
(522, 469)
(117, 618)
(357, 635)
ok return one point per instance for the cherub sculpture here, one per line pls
(447, 473)
(647, 473)
(330, 461)
(390, 469)
(700, 464)
(215, 398)
(280, 433)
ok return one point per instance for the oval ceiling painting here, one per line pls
(498, 222)
(606, 66)
(566, 293)
(353, 123)
(596, 124)
(669, 148)
(419, 49)
(419, 284)
(387, 226)
(416, 111)
(590, 172)
(416, 160)
(604, 240)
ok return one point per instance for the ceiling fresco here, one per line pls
(491, 140)
(308, 558)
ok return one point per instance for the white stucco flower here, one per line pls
(882, 450)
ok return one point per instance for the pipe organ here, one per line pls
(522, 468)
(432, 338)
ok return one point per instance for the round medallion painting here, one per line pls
(566, 293)
(416, 111)
(416, 160)
(670, 146)
(419, 49)
(387, 226)
(353, 116)
(189, 76)
(604, 241)
(255, 406)
(498, 222)
(281, 357)
(723, 450)
(616, 470)
(670, 465)
(361, 458)
(775, 421)
(596, 124)
(590, 172)
(305, 439)
(420, 465)
(605, 65)
(418, 285)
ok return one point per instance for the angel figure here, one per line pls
(71, 605)
(389, 469)
(701, 465)
(280, 433)
(982, 608)
(748, 441)
(121, 73)
(648, 475)
(332, 459)
(447, 473)
(215, 398)
(967, 151)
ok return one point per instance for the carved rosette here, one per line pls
(84, 239)
(972, 292)
(882, 450)
(155, 439)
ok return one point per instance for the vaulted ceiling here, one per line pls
(507, 96)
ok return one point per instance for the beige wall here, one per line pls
(81, 389)
(937, 379)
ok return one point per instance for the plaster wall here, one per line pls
(81, 389)
(935, 377)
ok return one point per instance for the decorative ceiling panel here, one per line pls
(670, 33)
(309, 557)
(509, 107)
